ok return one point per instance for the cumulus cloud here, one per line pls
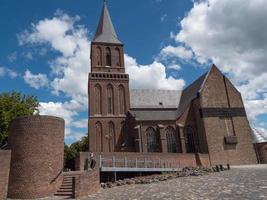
(231, 34)
(35, 80)
(4, 71)
(151, 76)
(178, 51)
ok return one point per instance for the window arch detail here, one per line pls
(98, 56)
(98, 99)
(110, 99)
(99, 138)
(111, 136)
(118, 57)
(153, 140)
(122, 102)
(108, 57)
(172, 139)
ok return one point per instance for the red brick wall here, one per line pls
(87, 183)
(262, 152)
(214, 94)
(172, 159)
(37, 144)
(5, 156)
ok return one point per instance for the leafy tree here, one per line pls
(13, 105)
(72, 151)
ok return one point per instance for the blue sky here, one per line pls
(45, 49)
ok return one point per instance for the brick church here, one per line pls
(206, 117)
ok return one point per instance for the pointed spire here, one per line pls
(105, 31)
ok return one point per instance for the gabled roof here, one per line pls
(258, 137)
(105, 32)
(190, 93)
(154, 114)
(155, 98)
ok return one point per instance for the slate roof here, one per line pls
(258, 136)
(190, 93)
(155, 98)
(105, 32)
(154, 115)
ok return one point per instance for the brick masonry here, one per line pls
(88, 183)
(5, 156)
(218, 92)
(37, 144)
(262, 152)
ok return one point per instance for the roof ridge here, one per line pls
(105, 32)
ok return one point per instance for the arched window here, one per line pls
(189, 140)
(98, 56)
(110, 99)
(118, 57)
(99, 139)
(112, 136)
(98, 99)
(171, 137)
(108, 56)
(122, 105)
(153, 140)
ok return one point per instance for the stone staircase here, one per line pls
(66, 190)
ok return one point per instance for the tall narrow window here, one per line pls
(98, 56)
(112, 137)
(110, 99)
(189, 140)
(98, 100)
(118, 57)
(122, 99)
(171, 137)
(153, 140)
(228, 126)
(108, 56)
(99, 139)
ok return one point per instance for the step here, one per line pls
(63, 193)
(65, 187)
(66, 184)
(65, 190)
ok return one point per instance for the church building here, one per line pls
(206, 117)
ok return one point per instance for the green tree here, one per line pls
(72, 151)
(13, 105)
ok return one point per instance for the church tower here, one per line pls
(108, 89)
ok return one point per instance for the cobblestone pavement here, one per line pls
(242, 183)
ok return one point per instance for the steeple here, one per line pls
(105, 32)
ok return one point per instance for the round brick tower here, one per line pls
(37, 144)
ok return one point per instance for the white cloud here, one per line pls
(4, 71)
(163, 17)
(231, 34)
(35, 80)
(179, 51)
(81, 123)
(174, 67)
(151, 76)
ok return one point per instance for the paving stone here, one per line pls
(246, 182)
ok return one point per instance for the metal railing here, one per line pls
(137, 163)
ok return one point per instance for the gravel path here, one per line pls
(249, 182)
